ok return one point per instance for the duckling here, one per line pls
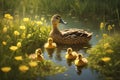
(70, 54)
(80, 61)
(39, 56)
(68, 36)
(50, 44)
(38, 51)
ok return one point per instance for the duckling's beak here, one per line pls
(62, 21)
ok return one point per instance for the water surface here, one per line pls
(58, 56)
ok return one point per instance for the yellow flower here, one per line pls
(109, 51)
(22, 27)
(4, 43)
(16, 33)
(13, 48)
(26, 19)
(23, 68)
(19, 44)
(109, 27)
(32, 23)
(23, 35)
(8, 16)
(106, 59)
(29, 35)
(105, 35)
(39, 22)
(106, 45)
(8, 36)
(5, 29)
(42, 18)
(18, 58)
(33, 64)
(102, 25)
(5, 69)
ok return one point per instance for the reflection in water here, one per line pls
(50, 52)
(78, 70)
(61, 48)
(69, 62)
(58, 54)
(74, 47)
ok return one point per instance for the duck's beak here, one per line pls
(62, 21)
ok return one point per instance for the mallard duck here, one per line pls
(70, 54)
(50, 44)
(68, 36)
(80, 61)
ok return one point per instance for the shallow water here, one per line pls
(58, 56)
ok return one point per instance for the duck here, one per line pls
(39, 55)
(70, 54)
(80, 61)
(68, 36)
(50, 44)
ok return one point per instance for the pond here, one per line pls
(58, 56)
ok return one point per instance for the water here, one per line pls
(58, 56)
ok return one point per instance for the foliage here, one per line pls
(26, 32)
(18, 39)
(104, 56)
(74, 7)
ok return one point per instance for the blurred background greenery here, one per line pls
(79, 8)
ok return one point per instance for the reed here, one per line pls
(74, 7)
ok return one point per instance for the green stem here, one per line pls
(117, 12)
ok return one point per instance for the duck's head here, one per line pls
(69, 50)
(56, 19)
(50, 40)
(38, 51)
(80, 56)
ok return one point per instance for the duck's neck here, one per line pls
(55, 29)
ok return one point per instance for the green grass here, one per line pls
(104, 57)
(21, 37)
(74, 7)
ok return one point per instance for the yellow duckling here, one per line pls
(80, 61)
(39, 54)
(70, 54)
(50, 44)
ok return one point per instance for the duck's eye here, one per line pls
(58, 17)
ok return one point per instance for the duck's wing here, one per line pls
(75, 33)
